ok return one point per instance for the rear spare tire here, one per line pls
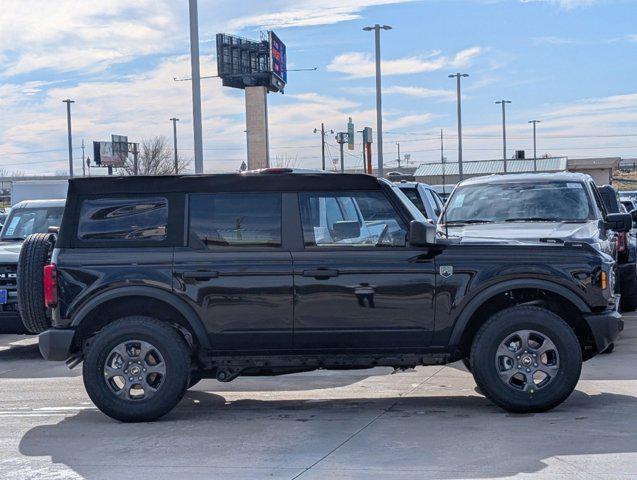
(34, 255)
(526, 359)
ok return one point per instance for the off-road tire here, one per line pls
(170, 345)
(496, 330)
(628, 289)
(195, 378)
(34, 255)
(467, 364)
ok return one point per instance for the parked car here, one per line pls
(157, 282)
(628, 203)
(626, 251)
(423, 197)
(24, 219)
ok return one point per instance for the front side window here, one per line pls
(559, 201)
(235, 220)
(134, 219)
(350, 219)
(22, 222)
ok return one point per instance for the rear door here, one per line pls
(235, 270)
(358, 285)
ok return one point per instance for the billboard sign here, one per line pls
(278, 57)
(350, 134)
(103, 155)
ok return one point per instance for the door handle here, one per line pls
(200, 275)
(321, 273)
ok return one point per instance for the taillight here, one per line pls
(622, 242)
(50, 286)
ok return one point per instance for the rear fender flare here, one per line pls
(164, 296)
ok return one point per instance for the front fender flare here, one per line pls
(168, 297)
(476, 301)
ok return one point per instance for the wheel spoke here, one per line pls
(506, 375)
(159, 368)
(524, 338)
(546, 347)
(110, 372)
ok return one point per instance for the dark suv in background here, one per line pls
(157, 282)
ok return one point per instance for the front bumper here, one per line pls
(605, 327)
(55, 343)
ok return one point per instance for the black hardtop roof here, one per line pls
(229, 182)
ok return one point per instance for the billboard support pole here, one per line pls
(196, 85)
(135, 163)
(257, 127)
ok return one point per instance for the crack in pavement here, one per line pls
(379, 415)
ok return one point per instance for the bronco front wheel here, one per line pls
(526, 359)
(136, 369)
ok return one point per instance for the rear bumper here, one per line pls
(55, 344)
(605, 327)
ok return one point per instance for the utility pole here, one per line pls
(398, 145)
(175, 120)
(135, 160)
(442, 160)
(458, 76)
(70, 140)
(504, 131)
(196, 85)
(379, 103)
(340, 138)
(322, 146)
(83, 161)
(535, 122)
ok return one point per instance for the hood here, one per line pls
(10, 251)
(527, 232)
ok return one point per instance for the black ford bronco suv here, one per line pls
(157, 282)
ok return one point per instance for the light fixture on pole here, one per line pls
(175, 120)
(379, 107)
(504, 131)
(68, 128)
(458, 76)
(535, 122)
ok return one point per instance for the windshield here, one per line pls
(519, 202)
(22, 222)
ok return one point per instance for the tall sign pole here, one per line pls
(458, 76)
(196, 85)
(322, 146)
(68, 128)
(535, 122)
(504, 131)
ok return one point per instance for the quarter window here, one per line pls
(134, 219)
(235, 220)
(350, 219)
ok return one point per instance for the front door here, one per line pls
(235, 272)
(357, 282)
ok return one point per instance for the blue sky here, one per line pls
(569, 63)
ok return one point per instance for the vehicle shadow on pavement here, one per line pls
(20, 358)
(396, 437)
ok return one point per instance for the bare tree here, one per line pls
(155, 158)
(286, 161)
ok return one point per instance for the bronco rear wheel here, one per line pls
(136, 369)
(34, 255)
(526, 359)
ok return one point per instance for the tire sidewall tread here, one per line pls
(506, 322)
(162, 336)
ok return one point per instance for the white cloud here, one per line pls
(565, 4)
(66, 35)
(361, 65)
(410, 91)
(305, 13)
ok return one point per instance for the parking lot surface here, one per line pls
(427, 423)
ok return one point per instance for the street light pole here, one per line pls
(458, 76)
(379, 104)
(175, 120)
(68, 127)
(196, 85)
(535, 122)
(504, 131)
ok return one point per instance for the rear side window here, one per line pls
(235, 220)
(123, 219)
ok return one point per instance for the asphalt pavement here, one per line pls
(365, 424)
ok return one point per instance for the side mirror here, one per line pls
(346, 229)
(619, 222)
(421, 234)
